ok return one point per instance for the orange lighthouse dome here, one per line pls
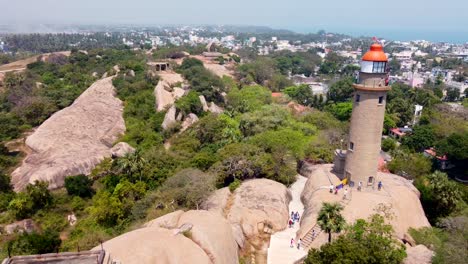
(375, 53)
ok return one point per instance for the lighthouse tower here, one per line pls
(367, 117)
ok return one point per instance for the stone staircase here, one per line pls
(310, 237)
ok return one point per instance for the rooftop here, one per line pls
(84, 257)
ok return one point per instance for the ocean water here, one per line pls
(449, 35)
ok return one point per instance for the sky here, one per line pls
(414, 19)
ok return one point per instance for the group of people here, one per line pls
(334, 189)
(295, 217)
(298, 244)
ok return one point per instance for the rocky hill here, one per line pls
(75, 139)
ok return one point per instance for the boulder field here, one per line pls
(230, 224)
(75, 139)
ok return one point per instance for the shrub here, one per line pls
(388, 144)
(79, 185)
(34, 243)
(234, 185)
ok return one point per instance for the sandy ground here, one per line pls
(279, 251)
(220, 70)
(21, 64)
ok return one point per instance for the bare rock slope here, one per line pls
(75, 139)
(398, 200)
(207, 238)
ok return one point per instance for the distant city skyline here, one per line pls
(396, 19)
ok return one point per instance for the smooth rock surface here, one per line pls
(189, 121)
(121, 149)
(75, 139)
(153, 245)
(419, 254)
(398, 197)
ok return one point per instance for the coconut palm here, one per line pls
(330, 218)
(132, 164)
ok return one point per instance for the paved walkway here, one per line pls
(279, 251)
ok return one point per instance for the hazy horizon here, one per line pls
(397, 19)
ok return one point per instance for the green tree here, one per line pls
(341, 90)
(5, 185)
(445, 192)
(453, 94)
(454, 146)
(79, 185)
(409, 165)
(39, 194)
(369, 242)
(248, 99)
(342, 111)
(388, 144)
(21, 206)
(190, 187)
(107, 210)
(132, 165)
(421, 138)
(330, 219)
(301, 94)
(189, 103)
(34, 243)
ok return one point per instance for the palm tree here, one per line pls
(132, 164)
(330, 218)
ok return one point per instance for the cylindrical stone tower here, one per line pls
(367, 117)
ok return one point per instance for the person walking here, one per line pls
(313, 234)
(290, 223)
(380, 185)
(331, 188)
(292, 243)
(345, 193)
(299, 243)
(359, 186)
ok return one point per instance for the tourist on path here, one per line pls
(299, 243)
(380, 185)
(292, 243)
(291, 223)
(359, 186)
(331, 188)
(345, 193)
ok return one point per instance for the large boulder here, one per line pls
(169, 118)
(213, 234)
(169, 221)
(217, 201)
(26, 225)
(215, 109)
(257, 209)
(189, 121)
(153, 245)
(75, 139)
(398, 201)
(419, 254)
(207, 231)
(121, 149)
(165, 95)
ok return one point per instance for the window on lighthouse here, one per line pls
(378, 67)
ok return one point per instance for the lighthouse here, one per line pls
(370, 95)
